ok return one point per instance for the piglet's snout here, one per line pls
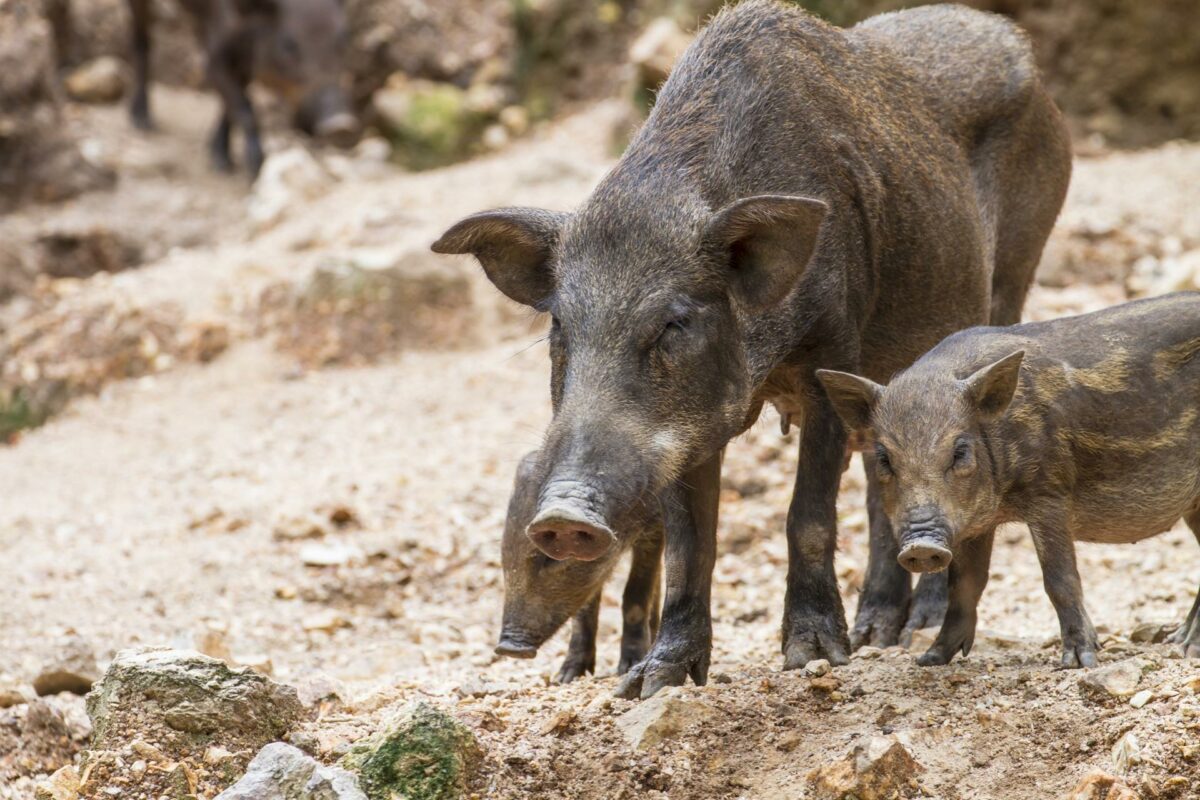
(925, 546)
(566, 528)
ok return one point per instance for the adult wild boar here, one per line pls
(1087, 428)
(293, 46)
(801, 196)
(541, 593)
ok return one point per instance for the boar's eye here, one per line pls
(882, 462)
(672, 329)
(963, 457)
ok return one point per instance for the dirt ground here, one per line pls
(166, 509)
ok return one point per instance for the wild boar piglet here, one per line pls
(541, 592)
(1086, 428)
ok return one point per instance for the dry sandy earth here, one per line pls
(153, 513)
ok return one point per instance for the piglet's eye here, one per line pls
(677, 324)
(882, 460)
(962, 452)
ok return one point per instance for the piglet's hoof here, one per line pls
(877, 625)
(573, 668)
(954, 636)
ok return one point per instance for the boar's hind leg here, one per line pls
(884, 603)
(230, 71)
(684, 643)
(1060, 575)
(640, 603)
(1188, 634)
(814, 623)
(968, 577)
(581, 652)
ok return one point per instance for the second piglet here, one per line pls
(1087, 428)
(541, 593)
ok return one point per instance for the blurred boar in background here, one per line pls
(294, 47)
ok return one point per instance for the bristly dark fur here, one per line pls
(915, 157)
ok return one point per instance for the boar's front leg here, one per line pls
(814, 622)
(887, 590)
(967, 579)
(1188, 634)
(684, 643)
(640, 603)
(581, 652)
(1060, 576)
(928, 608)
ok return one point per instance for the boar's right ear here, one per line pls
(768, 240)
(514, 246)
(990, 389)
(852, 397)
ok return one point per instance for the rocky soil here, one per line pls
(283, 434)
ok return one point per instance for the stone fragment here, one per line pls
(882, 769)
(661, 718)
(282, 772)
(1117, 680)
(72, 669)
(101, 80)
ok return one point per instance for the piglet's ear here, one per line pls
(514, 246)
(991, 388)
(768, 240)
(854, 399)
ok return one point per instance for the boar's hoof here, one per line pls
(878, 623)
(803, 648)
(561, 534)
(647, 677)
(515, 649)
(1079, 649)
(925, 555)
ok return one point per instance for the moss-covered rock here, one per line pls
(431, 124)
(423, 754)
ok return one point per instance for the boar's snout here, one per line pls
(925, 545)
(564, 531)
(513, 646)
(340, 130)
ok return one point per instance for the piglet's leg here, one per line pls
(1188, 634)
(581, 652)
(968, 577)
(640, 603)
(1056, 552)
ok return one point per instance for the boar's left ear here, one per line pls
(853, 398)
(769, 240)
(514, 246)
(991, 388)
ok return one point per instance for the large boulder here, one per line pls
(177, 705)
